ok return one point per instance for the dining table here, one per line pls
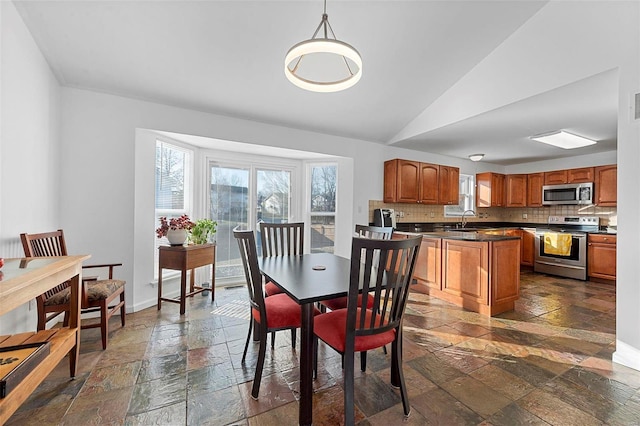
(308, 279)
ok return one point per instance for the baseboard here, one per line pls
(626, 355)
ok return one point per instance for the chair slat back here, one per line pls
(44, 244)
(248, 254)
(282, 239)
(378, 232)
(384, 269)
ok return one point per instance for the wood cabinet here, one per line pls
(482, 276)
(490, 189)
(556, 177)
(408, 181)
(449, 185)
(601, 256)
(516, 190)
(427, 268)
(559, 177)
(582, 175)
(527, 246)
(606, 186)
(534, 189)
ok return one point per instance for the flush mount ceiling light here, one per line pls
(476, 157)
(329, 65)
(563, 140)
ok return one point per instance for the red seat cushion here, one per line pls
(270, 289)
(332, 328)
(282, 312)
(341, 302)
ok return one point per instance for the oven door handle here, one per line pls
(560, 264)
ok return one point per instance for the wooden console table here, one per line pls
(22, 280)
(183, 258)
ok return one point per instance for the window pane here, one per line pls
(274, 194)
(322, 233)
(230, 208)
(323, 188)
(171, 168)
(467, 199)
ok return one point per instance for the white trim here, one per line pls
(626, 355)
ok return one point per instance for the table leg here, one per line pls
(306, 365)
(183, 291)
(213, 277)
(159, 287)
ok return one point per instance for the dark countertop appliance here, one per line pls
(561, 246)
(384, 217)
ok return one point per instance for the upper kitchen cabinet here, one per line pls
(606, 185)
(408, 181)
(534, 189)
(516, 190)
(582, 175)
(490, 189)
(559, 177)
(449, 185)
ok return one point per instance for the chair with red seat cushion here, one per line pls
(281, 239)
(384, 269)
(277, 312)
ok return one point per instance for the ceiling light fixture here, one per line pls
(318, 75)
(563, 139)
(476, 157)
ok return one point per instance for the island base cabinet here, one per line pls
(465, 271)
(483, 277)
(427, 269)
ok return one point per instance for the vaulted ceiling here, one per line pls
(226, 57)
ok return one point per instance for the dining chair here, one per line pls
(96, 294)
(364, 231)
(384, 268)
(273, 313)
(281, 239)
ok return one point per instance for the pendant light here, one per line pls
(308, 63)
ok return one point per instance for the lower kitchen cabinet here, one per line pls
(528, 246)
(601, 256)
(482, 276)
(427, 269)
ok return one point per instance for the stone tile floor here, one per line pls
(546, 362)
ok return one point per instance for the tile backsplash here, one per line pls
(420, 213)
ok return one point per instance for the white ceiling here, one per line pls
(226, 57)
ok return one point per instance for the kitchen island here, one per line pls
(477, 271)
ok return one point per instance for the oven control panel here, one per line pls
(574, 220)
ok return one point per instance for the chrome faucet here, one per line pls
(464, 219)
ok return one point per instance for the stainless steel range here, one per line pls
(561, 246)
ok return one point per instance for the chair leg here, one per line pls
(349, 399)
(122, 309)
(315, 357)
(293, 338)
(396, 369)
(261, 355)
(246, 345)
(363, 361)
(104, 323)
(384, 349)
(273, 339)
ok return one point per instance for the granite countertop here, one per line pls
(477, 226)
(468, 236)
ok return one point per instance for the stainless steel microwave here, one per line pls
(572, 193)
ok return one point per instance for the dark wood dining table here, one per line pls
(305, 281)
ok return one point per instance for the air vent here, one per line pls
(636, 114)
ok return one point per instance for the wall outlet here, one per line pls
(401, 214)
(432, 214)
(31, 302)
(524, 215)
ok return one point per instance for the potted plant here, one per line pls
(175, 229)
(202, 230)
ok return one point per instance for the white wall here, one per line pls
(29, 148)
